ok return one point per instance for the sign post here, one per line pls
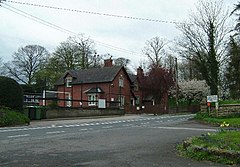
(212, 99)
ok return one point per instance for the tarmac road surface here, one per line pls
(127, 141)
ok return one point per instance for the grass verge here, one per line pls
(222, 146)
(232, 120)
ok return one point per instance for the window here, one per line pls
(69, 82)
(92, 99)
(137, 100)
(121, 81)
(132, 101)
(69, 102)
(121, 100)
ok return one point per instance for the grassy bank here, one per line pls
(232, 120)
(222, 146)
(12, 118)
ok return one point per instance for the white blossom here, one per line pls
(191, 90)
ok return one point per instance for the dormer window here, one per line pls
(69, 82)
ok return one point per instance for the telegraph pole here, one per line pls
(176, 83)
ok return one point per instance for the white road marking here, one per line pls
(83, 129)
(126, 125)
(181, 117)
(182, 128)
(17, 136)
(107, 127)
(55, 132)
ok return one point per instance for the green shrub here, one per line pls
(11, 93)
(9, 117)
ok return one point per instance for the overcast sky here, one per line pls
(123, 35)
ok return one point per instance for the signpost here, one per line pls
(212, 99)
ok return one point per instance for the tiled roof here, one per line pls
(132, 77)
(92, 75)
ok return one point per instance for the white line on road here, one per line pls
(126, 125)
(83, 129)
(182, 128)
(55, 132)
(107, 127)
(16, 136)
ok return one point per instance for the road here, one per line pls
(127, 141)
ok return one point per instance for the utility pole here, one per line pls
(176, 83)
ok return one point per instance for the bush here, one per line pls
(9, 117)
(11, 94)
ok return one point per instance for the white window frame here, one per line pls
(92, 98)
(69, 103)
(133, 102)
(122, 101)
(121, 81)
(68, 82)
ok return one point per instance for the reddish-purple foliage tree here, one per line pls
(157, 82)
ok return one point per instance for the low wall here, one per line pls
(229, 109)
(226, 109)
(68, 113)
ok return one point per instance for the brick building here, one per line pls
(112, 84)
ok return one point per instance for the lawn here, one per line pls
(222, 146)
(227, 140)
(233, 121)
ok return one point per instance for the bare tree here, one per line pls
(85, 54)
(203, 40)
(26, 62)
(2, 69)
(154, 50)
(236, 12)
(77, 53)
(121, 61)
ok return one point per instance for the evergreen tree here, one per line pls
(233, 69)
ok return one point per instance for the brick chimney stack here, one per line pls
(140, 72)
(108, 63)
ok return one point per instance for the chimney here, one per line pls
(140, 72)
(108, 63)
